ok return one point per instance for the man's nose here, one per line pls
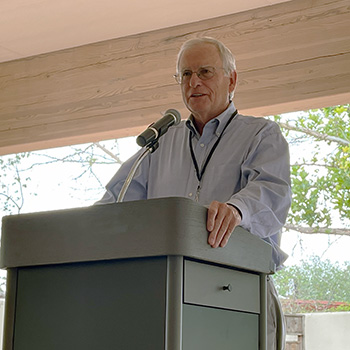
(195, 80)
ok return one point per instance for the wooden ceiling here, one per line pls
(32, 27)
(290, 56)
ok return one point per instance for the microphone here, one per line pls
(159, 128)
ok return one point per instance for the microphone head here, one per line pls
(154, 131)
(175, 114)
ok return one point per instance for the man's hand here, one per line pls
(222, 220)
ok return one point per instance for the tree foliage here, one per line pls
(12, 183)
(316, 280)
(320, 169)
(17, 181)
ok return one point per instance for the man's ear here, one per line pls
(233, 81)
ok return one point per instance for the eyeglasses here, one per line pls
(204, 73)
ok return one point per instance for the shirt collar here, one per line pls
(220, 121)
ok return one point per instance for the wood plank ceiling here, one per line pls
(290, 56)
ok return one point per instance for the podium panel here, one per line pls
(206, 328)
(98, 305)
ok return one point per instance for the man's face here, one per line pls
(206, 99)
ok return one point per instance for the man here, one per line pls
(237, 166)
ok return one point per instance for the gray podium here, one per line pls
(134, 275)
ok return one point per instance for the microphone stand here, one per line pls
(149, 149)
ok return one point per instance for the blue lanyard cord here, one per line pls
(201, 173)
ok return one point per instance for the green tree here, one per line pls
(321, 173)
(314, 280)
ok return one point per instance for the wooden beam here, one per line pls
(291, 56)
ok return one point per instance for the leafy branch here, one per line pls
(320, 172)
(108, 152)
(87, 158)
(315, 230)
(315, 134)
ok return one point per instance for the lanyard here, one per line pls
(201, 173)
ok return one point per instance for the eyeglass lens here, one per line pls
(203, 73)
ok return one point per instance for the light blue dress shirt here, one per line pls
(249, 169)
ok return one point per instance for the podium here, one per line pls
(132, 275)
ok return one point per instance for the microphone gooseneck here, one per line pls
(149, 138)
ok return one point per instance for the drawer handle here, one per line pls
(228, 288)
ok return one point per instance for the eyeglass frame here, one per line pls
(179, 78)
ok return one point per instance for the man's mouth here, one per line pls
(197, 95)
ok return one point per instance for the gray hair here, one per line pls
(228, 60)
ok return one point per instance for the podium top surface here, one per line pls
(155, 227)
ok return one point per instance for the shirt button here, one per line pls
(202, 145)
(190, 194)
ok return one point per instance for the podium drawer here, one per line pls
(221, 287)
